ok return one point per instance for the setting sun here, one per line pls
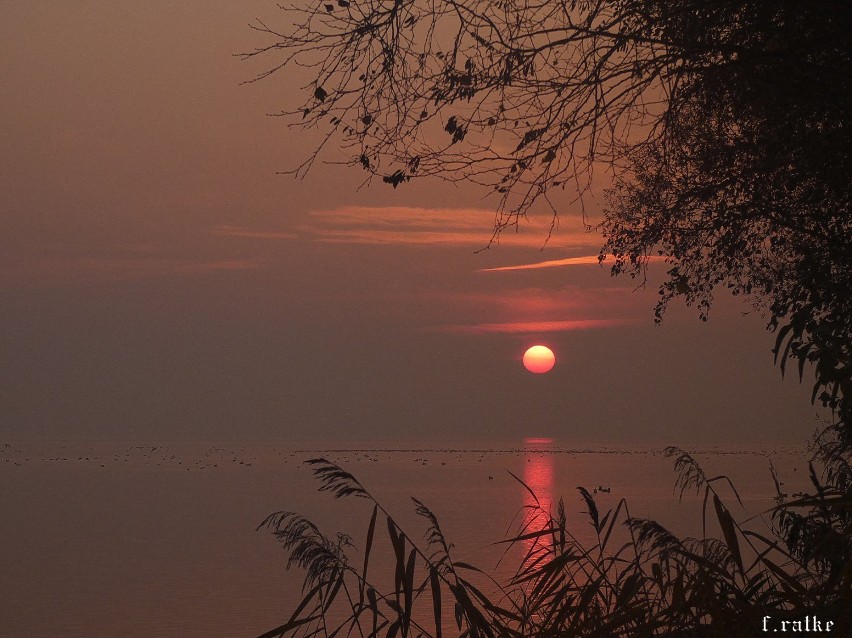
(539, 359)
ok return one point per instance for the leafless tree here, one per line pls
(520, 97)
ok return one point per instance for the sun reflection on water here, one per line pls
(539, 477)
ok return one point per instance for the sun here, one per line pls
(539, 359)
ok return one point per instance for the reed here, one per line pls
(635, 579)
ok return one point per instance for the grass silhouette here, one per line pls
(634, 579)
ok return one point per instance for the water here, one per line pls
(110, 539)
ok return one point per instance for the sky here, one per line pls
(159, 279)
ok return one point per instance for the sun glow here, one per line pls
(539, 359)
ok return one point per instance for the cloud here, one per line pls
(406, 225)
(532, 310)
(448, 226)
(539, 303)
(584, 260)
(567, 325)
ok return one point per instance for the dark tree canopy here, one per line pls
(748, 184)
(725, 126)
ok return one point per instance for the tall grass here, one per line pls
(635, 578)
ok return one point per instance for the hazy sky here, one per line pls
(159, 280)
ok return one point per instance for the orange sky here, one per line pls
(158, 279)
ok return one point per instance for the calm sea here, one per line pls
(159, 539)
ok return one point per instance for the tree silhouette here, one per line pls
(725, 126)
(747, 187)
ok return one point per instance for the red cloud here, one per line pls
(567, 325)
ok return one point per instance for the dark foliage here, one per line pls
(747, 185)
